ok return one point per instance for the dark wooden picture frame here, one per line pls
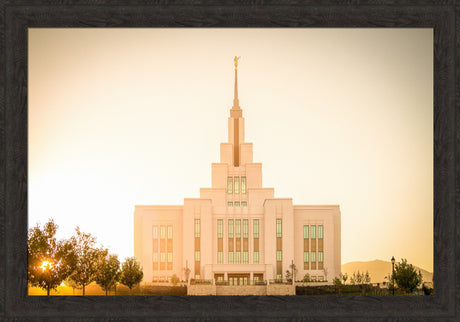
(17, 16)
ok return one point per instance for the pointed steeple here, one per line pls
(236, 121)
(236, 111)
(236, 102)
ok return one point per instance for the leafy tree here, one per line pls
(49, 261)
(68, 282)
(306, 278)
(174, 279)
(353, 278)
(338, 284)
(343, 277)
(88, 256)
(108, 272)
(131, 273)
(289, 273)
(366, 278)
(406, 276)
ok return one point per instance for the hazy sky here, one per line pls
(125, 117)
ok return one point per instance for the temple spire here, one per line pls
(236, 111)
(236, 103)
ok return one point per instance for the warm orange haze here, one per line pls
(125, 117)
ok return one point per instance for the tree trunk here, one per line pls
(83, 290)
(48, 291)
(106, 289)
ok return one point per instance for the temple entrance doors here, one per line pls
(238, 279)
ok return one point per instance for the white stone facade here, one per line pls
(237, 232)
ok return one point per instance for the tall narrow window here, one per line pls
(197, 228)
(245, 228)
(238, 228)
(197, 248)
(220, 232)
(230, 257)
(170, 247)
(238, 258)
(306, 247)
(170, 259)
(155, 248)
(230, 228)
(278, 228)
(230, 241)
(237, 203)
(255, 232)
(245, 258)
(313, 256)
(162, 232)
(279, 247)
(155, 261)
(313, 232)
(229, 185)
(320, 257)
(305, 257)
(243, 185)
(279, 255)
(244, 204)
(305, 231)
(320, 246)
(256, 228)
(230, 204)
(237, 184)
(220, 241)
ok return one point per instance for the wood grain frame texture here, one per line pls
(17, 16)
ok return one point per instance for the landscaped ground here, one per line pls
(94, 289)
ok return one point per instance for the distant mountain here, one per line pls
(378, 269)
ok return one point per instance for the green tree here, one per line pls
(306, 278)
(108, 272)
(406, 276)
(49, 261)
(338, 284)
(343, 277)
(361, 279)
(291, 273)
(174, 279)
(88, 256)
(131, 273)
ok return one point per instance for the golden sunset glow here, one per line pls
(46, 265)
(125, 117)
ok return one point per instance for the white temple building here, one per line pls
(237, 232)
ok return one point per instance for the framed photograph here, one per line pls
(336, 134)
